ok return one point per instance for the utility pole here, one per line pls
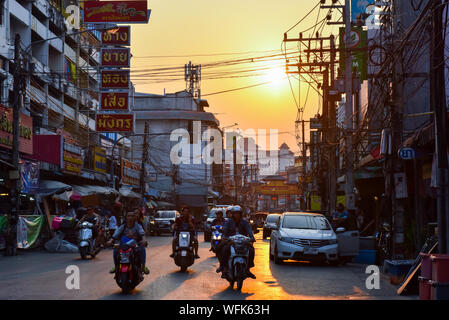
(11, 237)
(438, 103)
(349, 185)
(325, 170)
(332, 125)
(144, 160)
(304, 160)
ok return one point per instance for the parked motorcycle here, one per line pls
(238, 260)
(217, 235)
(86, 242)
(184, 256)
(129, 272)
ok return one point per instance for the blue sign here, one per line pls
(406, 153)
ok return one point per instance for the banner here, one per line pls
(121, 36)
(116, 12)
(30, 177)
(114, 101)
(115, 122)
(28, 230)
(315, 204)
(115, 79)
(115, 57)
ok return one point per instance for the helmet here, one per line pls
(234, 209)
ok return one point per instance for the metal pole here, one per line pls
(439, 105)
(11, 238)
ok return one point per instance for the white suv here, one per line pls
(303, 236)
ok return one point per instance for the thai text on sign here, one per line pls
(114, 101)
(115, 122)
(116, 11)
(115, 57)
(118, 36)
(115, 79)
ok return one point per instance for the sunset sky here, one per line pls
(193, 29)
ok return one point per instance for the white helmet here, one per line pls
(234, 209)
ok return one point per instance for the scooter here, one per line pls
(217, 235)
(129, 272)
(183, 255)
(238, 260)
(86, 243)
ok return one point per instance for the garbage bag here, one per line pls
(67, 247)
(53, 244)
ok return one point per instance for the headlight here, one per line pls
(152, 222)
(251, 221)
(285, 239)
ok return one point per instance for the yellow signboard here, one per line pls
(99, 160)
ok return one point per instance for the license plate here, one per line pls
(310, 251)
(183, 253)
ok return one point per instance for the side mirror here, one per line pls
(340, 230)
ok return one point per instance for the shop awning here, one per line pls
(127, 192)
(162, 204)
(50, 187)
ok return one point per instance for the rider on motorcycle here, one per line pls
(232, 226)
(93, 218)
(132, 230)
(185, 221)
(219, 219)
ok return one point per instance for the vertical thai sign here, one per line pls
(359, 42)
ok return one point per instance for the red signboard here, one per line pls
(116, 11)
(25, 130)
(115, 79)
(48, 148)
(115, 122)
(120, 36)
(117, 101)
(115, 57)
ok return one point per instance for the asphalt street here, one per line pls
(42, 275)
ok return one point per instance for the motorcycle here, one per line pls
(129, 272)
(238, 260)
(183, 255)
(86, 243)
(217, 235)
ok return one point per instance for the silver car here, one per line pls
(303, 236)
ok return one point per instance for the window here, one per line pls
(305, 222)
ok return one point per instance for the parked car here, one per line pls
(270, 224)
(207, 224)
(303, 236)
(163, 221)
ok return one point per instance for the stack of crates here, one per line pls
(425, 285)
(440, 277)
